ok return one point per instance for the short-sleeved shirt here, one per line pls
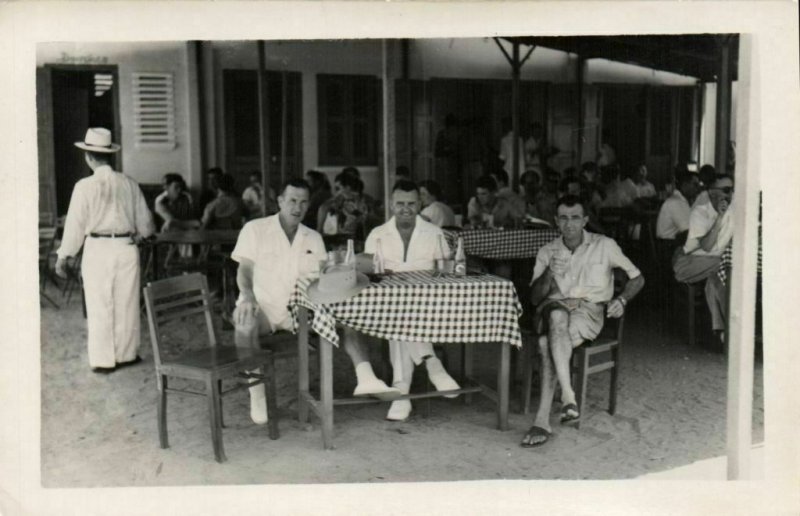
(105, 202)
(673, 217)
(589, 273)
(439, 214)
(277, 263)
(224, 212)
(701, 220)
(503, 212)
(423, 249)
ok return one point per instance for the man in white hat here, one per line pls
(107, 211)
(408, 243)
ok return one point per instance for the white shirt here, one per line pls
(252, 200)
(589, 274)
(507, 154)
(105, 202)
(277, 263)
(701, 219)
(673, 217)
(439, 214)
(423, 248)
(636, 191)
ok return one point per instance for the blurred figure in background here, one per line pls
(212, 188)
(253, 198)
(320, 192)
(433, 210)
(174, 205)
(227, 210)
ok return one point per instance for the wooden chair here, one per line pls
(47, 238)
(606, 346)
(179, 298)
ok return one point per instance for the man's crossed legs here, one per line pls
(569, 322)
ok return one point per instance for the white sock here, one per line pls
(258, 404)
(364, 372)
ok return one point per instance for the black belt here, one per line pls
(110, 235)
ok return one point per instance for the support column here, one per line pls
(580, 113)
(263, 126)
(515, 69)
(741, 312)
(389, 143)
(723, 127)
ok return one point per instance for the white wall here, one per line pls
(146, 166)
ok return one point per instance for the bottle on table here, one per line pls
(460, 268)
(377, 259)
(350, 257)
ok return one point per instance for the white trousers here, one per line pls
(110, 271)
(404, 356)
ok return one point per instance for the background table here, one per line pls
(501, 244)
(412, 306)
(192, 237)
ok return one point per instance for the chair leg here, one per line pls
(581, 381)
(221, 414)
(612, 395)
(272, 399)
(214, 420)
(466, 368)
(162, 413)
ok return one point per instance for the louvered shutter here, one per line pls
(154, 111)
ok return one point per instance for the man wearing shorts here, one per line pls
(573, 284)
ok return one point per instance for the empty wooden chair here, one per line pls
(181, 298)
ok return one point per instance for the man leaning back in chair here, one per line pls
(573, 283)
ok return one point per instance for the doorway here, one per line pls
(79, 97)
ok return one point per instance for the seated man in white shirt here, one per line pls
(573, 285)
(435, 211)
(710, 232)
(408, 243)
(673, 217)
(637, 186)
(273, 252)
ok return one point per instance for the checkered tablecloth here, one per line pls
(727, 261)
(502, 244)
(417, 307)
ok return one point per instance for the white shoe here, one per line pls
(258, 409)
(377, 389)
(439, 377)
(399, 411)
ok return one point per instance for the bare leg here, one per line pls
(561, 348)
(248, 337)
(354, 347)
(547, 389)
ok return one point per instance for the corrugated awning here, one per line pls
(695, 55)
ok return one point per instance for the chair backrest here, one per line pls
(613, 327)
(176, 298)
(47, 239)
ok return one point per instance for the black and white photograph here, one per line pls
(386, 259)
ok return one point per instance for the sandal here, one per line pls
(569, 413)
(535, 431)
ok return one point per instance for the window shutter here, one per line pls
(154, 111)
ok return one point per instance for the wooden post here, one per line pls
(741, 315)
(723, 126)
(694, 153)
(515, 73)
(284, 112)
(388, 130)
(580, 114)
(263, 127)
